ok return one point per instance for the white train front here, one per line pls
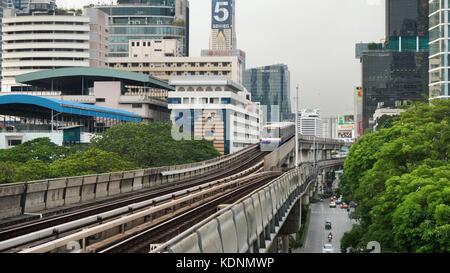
(276, 134)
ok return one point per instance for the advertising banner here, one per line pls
(222, 13)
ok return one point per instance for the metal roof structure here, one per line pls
(75, 75)
(40, 107)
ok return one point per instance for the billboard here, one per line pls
(345, 134)
(222, 14)
(347, 120)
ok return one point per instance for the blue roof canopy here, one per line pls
(34, 107)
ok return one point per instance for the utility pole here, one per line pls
(296, 128)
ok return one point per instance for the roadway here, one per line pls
(316, 235)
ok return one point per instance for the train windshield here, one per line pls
(271, 132)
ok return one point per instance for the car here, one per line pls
(338, 202)
(344, 206)
(327, 248)
(328, 225)
(332, 204)
(353, 204)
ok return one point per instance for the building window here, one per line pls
(14, 142)
(100, 100)
(174, 101)
(136, 105)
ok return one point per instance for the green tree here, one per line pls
(385, 122)
(151, 145)
(7, 171)
(31, 171)
(41, 149)
(391, 173)
(91, 161)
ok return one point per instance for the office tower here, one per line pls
(439, 49)
(329, 127)
(270, 86)
(398, 73)
(64, 43)
(391, 79)
(223, 22)
(407, 25)
(146, 20)
(309, 122)
(223, 40)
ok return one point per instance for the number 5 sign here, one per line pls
(222, 14)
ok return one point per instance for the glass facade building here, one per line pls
(270, 85)
(390, 79)
(397, 73)
(146, 19)
(439, 48)
(407, 25)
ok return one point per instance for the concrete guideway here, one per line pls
(253, 223)
(148, 212)
(34, 197)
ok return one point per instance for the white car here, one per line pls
(327, 248)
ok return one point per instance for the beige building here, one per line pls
(99, 37)
(166, 68)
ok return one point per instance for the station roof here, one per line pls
(40, 107)
(75, 75)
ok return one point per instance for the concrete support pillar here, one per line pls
(305, 199)
(285, 239)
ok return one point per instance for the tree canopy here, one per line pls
(152, 145)
(400, 177)
(123, 147)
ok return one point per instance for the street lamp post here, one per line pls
(296, 128)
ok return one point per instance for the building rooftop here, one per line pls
(78, 76)
(206, 80)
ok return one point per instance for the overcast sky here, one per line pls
(315, 38)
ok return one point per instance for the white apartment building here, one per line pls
(215, 109)
(310, 123)
(167, 68)
(43, 41)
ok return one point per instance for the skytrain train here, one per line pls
(276, 134)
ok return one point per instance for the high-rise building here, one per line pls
(397, 73)
(407, 25)
(391, 79)
(223, 22)
(146, 20)
(358, 99)
(439, 49)
(65, 42)
(270, 86)
(329, 127)
(223, 41)
(309, 122)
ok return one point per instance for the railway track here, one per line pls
(140, 243)
(30, 227)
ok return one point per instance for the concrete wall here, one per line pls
(32, 197)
